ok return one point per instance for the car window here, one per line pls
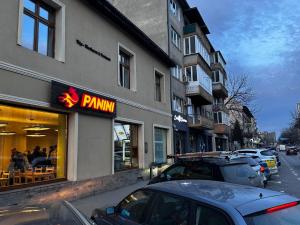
(209, 216)
(199, 171)
(266, 153)
(170, 210)
(289, 216)
(176, 172)
(134, 206)
(239, 170)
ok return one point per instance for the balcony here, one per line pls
(221, 129)
(219, 90)
(220, 107)
(196, 91)
(201, 122)
(218, 62)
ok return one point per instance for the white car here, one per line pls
(264, 155)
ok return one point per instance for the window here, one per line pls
(209, 216)
(38, 27)
(218, 77)
(126, 146)
(177, 72)
(33, 146)
(196, 74)
(176, 39)
(178, 104)
(221, 118)
(175, 172)
(158, 86)
(175, 10)
(135, 205)
(170, 210)
(194, 45)
(124, 69)
(160, 145)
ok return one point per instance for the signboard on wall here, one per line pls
(78, 100)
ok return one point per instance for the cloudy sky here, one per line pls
(260, 38)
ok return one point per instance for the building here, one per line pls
(84, 100)
(220, 93)
(267, 138)
(247, 123)
(182, 33)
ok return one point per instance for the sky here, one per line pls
(260, 38)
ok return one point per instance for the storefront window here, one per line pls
(160, 142)
(33, 146)
(126, 146)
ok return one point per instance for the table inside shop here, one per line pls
(37, 176)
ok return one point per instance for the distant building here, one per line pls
(267, 138)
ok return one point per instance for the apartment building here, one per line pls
(84, 100)
(182, 33)
(220, 93)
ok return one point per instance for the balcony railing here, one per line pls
(203, 120)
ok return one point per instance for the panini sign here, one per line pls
(75, 99)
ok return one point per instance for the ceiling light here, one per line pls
(36, 135)
(7, 133)
(3, 124)
(36, 128)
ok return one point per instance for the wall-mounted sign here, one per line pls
(75, 99)
(91, 49)
(180, 119)
(180, 122)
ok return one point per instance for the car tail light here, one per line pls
(262, 169)
(280, 207)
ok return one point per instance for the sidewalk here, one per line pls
(106, 199)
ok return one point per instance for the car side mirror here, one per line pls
(110, 211)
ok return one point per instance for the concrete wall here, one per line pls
(25, 78)
(149, 16)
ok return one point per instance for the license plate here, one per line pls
(271, 163)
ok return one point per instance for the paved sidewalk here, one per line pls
(105, 199)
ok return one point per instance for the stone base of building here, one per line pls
(68, 190)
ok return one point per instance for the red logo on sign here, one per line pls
(69, 98)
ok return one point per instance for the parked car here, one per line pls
(211, 169)
(195, 202)
(291, 151)
(61, 213)
(253, 163)
(282, 148)
(264, 155)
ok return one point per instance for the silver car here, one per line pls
(201, 202)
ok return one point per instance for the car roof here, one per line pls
(245, 199)
(210, 160)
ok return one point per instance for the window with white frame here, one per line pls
(42, 27)
(177, 72)
(194, 45)
(196, 74)
(178, 104)
(175, 10)
(124, 69)
(218, 77)
(221, 118)
(176, 39)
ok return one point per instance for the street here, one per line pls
(288, 179)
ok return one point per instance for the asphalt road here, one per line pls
(288, 179)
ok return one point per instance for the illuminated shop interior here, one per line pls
(32, 146)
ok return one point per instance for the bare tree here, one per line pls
(240, 93)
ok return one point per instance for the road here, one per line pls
(288, 179)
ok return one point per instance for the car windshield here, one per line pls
(289, 216)
(248, 160)
(267, 153)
